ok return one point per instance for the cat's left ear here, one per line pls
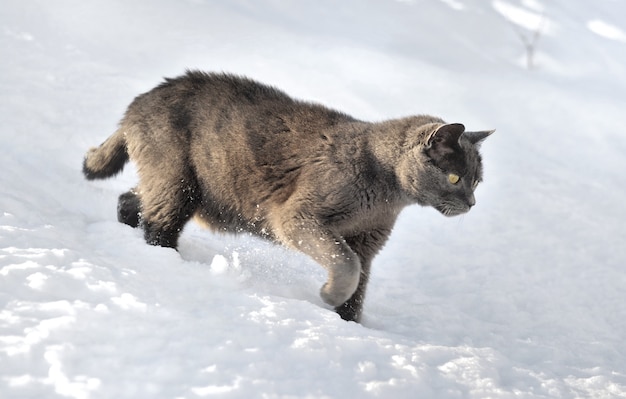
(446, 135)
(444, 141)
(477, 137)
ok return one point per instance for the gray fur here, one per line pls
(239, 156)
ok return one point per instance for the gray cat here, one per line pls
(240, 156)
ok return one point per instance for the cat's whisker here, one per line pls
(461, 219)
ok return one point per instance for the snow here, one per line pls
(522, 297)
(606, 30)
(528, 17)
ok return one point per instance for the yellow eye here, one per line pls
(452, 178)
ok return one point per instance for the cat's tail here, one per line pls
(108, 159)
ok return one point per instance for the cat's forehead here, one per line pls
(471, 156)
(464, 160)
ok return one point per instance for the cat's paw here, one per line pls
(129, 208)
(333, 297)
(342, 282)
(350, 311)
(336, 296)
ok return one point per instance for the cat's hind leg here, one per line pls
(129, 208)
(166, 206)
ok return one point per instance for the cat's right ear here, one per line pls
(477, 137)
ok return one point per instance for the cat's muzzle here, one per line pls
(452, 210)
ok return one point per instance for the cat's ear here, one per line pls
(446, 136)
(477, 137)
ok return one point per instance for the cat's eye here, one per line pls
(452, 178)
(475, 184)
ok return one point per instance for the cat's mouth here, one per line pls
(451, 210)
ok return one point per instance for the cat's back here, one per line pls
(210, 88)
(203, 94)
(222, 104)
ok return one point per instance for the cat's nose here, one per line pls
(471, 200)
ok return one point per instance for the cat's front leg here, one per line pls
(352, 309)
(343, 280)
(366, 245)
(342, 264)
(329, 250)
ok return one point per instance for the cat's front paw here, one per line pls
(343, 280)
(334, 296)
(350, 311)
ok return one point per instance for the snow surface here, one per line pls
(523, 297)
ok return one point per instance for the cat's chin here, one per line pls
(450, 211)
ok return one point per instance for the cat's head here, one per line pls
(444, 169)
